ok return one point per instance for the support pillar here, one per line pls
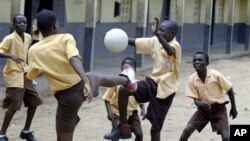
(180, 8)
(141, 24)
(229, 39)
(207, 27)
(247, 34)
(89, 34)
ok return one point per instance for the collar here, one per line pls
(209, 73)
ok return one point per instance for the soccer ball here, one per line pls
(116, 40)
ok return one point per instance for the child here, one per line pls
(159, 88)
(18, 88)
(111, 103)
(207, 88)
(57, 57)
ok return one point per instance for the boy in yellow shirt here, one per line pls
(160, 87)
(19, 89)
(207, 87)
(111, 102)
(57, 57)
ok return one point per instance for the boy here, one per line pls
(57, 57)
(18, 88)
(207, 88)
(111, 103)
(159, 88)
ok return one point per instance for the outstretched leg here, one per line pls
(96, 80)
(186, 133)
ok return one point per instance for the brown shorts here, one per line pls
(133, 120)
(15, 97)
(217, 116)
(69, 102)
(157, 108)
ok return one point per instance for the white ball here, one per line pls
(116, 40)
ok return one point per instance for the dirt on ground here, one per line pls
(94, 123)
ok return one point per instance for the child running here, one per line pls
(207, 87)
(19, 89)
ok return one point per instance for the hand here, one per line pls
(87, 93)
(110, 117)
(202, 105)
(154, 26)
(16, 59)
(233, 112)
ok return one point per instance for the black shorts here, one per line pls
(157, 108)
(69, 102)
(217, 116)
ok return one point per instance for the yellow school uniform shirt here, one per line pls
(166, 69)
(111, 95)
(212, 91)
(51, 56)
(14, 73)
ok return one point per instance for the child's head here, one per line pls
(200, 61)
(19, 23)
(128, 61)
(47, 22)
(168, 29)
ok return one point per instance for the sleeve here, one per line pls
(176, 46)
(191, 91)
(33, 71)
(109, 93)
(70, 45)
(224, 83)
(5, 45)
(144, 45)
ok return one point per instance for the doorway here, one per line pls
(32, 7)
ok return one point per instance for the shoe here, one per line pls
(4, 138)
(121, 131)
(129, 73)
(27, 136)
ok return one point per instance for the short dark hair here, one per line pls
(171, 25)
(15, 16)
(205, 54)
(45, 19)
(132, 60)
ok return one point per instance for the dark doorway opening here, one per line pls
(165, 10)
(32, 7)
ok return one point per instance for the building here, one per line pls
(203, 24)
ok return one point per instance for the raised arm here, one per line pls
(131, 41)
(161, 39)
